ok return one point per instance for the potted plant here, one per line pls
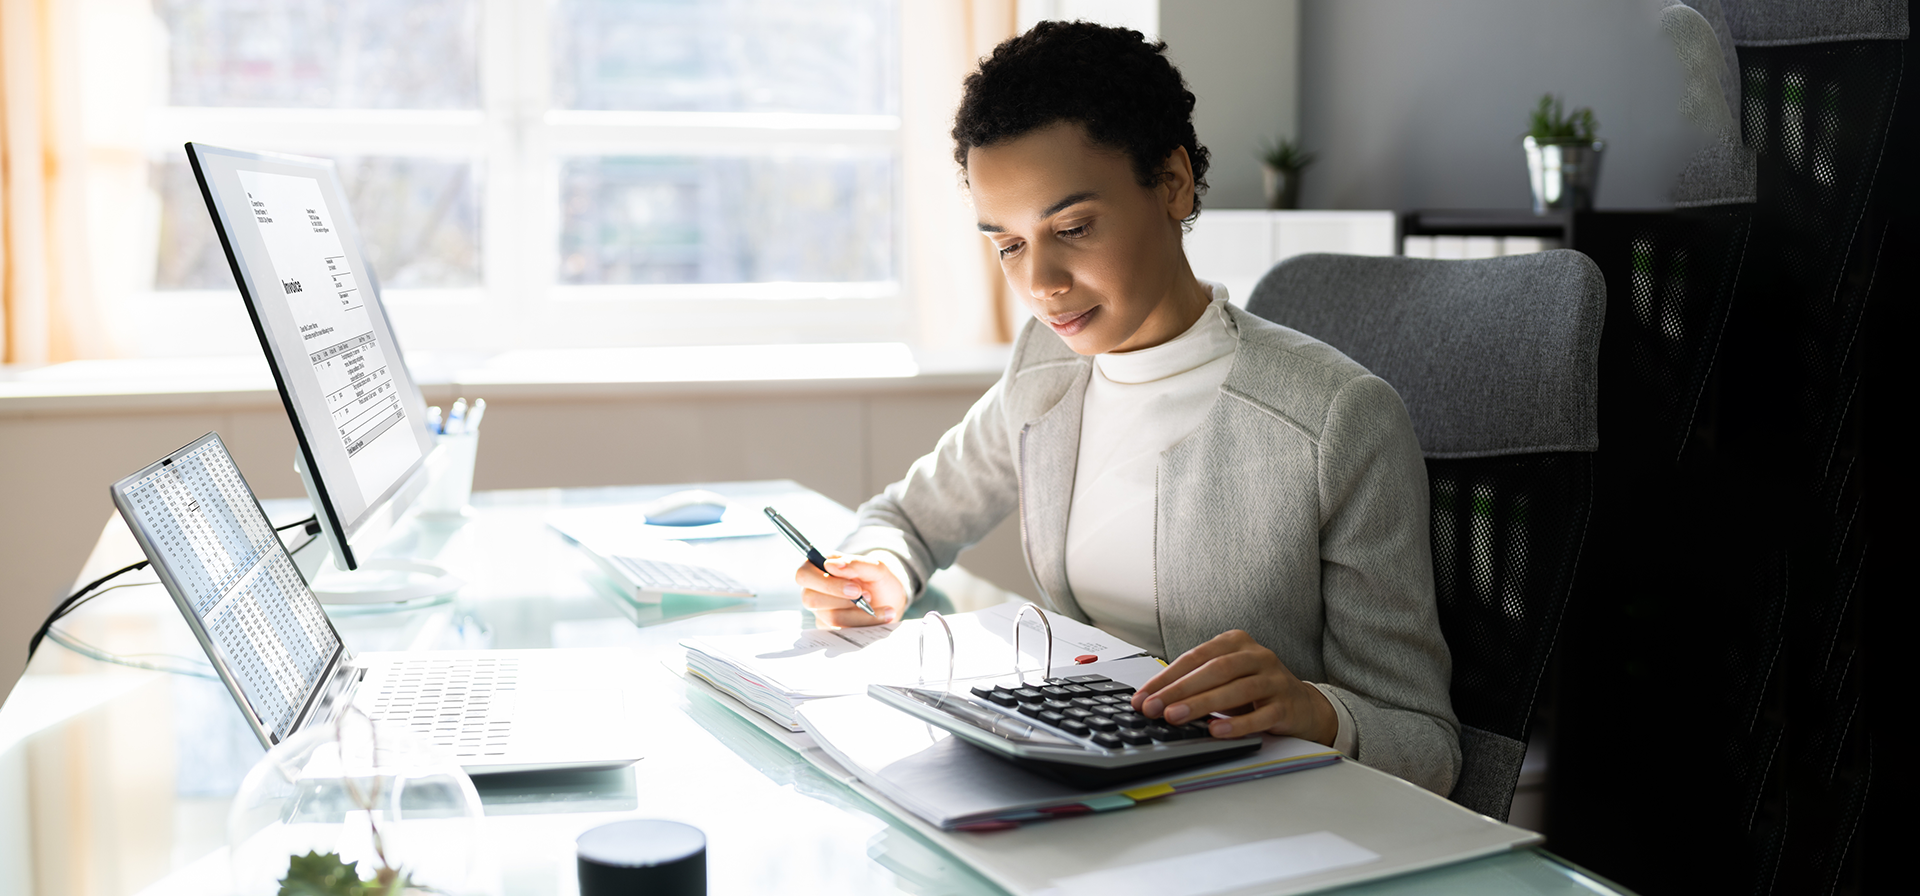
(1281, 163)
(1563, 158)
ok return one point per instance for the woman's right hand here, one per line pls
(830, 597)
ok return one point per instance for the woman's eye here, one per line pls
(1075, 232)
(1008, 250)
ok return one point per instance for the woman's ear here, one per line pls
(1176, 184)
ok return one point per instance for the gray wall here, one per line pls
(1241, 59)
(1420, 104)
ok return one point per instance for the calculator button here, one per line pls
(1106, 740)
(1026, 694)
(1074, 726)
(1087, 679)
(1055, 691)
(1057, 705)
(1004, 698)
(1164, 733)
(1134, 737)
(1075, 689)
(1031, 709)
(1089, 701)
(1130, 719)
(1075, 712)
(1050, 717)
(982, 691)
(1100, 723)
(1196, 729)
(1108, 687)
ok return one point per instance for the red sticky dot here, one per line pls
(1086, 658)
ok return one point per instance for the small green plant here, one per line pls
(1550, 123)
(324, 874)
(1285, 155)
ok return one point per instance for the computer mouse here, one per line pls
(693, 507)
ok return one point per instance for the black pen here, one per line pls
(814, 556)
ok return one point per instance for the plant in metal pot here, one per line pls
(1281, 163)
(1563, 158)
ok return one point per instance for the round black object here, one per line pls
(655, 858)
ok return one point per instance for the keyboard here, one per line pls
(658, 577)
(452, 702)
(1078, 729)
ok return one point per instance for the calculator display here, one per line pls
(208, 537)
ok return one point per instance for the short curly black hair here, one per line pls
(1111, 81)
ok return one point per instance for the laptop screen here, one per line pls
(206, 536)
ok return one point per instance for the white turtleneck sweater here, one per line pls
(1140, 404)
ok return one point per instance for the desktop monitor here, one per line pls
(315, 304)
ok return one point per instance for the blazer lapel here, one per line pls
(1049, 454)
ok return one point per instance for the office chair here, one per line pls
(1496, 360)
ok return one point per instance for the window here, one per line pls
(544, 173)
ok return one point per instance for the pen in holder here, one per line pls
(456, 444)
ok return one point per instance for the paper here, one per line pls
(336, 332)
(828, 663)
(1220, 870)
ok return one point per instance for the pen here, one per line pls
(456, 418)
(478, 411)
(814, 556)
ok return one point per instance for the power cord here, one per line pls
(311, 525)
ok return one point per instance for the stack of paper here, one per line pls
(956, 786)
(775, 672)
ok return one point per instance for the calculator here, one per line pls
(1080, 730)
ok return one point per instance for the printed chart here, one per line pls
(225, 558)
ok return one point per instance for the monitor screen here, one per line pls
(297, 257)
(206, 536)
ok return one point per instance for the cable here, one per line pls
(312, 523)
(72, 600)
(180, 665)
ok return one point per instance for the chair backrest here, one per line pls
(1497, 361)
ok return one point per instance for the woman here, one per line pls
(1189, 477)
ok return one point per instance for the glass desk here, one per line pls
(117, 780)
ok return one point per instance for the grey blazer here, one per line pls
(1297, 511)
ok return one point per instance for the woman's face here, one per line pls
(1089, 251)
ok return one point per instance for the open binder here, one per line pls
(933, 772)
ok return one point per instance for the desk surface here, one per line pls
(117, 780)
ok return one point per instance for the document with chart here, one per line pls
(228, 570)
(315, 276)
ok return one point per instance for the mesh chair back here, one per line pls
(1496, 360)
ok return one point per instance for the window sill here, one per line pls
(154, 385)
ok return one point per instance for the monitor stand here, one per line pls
(378, 579)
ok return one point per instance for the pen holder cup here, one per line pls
(450, 475)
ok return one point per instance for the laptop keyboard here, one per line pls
(654, 575)
(449, 701)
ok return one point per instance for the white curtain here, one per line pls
(959, 295)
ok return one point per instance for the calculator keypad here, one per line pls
(1089, 708)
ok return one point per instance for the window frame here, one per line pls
(517, 142)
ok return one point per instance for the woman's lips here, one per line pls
(1074, 324)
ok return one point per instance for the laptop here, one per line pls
(279, 655)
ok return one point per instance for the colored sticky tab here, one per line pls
(1108, 803)
(1142, 794)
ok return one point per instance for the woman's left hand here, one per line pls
(1235, 675)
